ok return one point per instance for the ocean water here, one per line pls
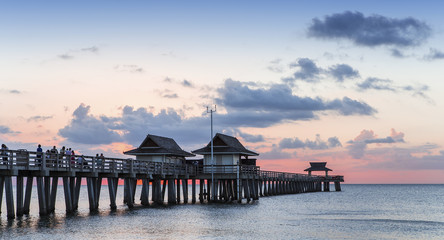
(358, 212)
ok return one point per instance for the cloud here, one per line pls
(373, 83)
(370, 31)
(342, 71)
(129, 68)
(434, 54)
(92, 49)
(276, 66)
(244, 107)
(317, 144)
(279, 99)
(65, 56)
(38, 118)
(187, 83)
(7, 130)
(71, 54)
(308, 71)
(376, 84)
(276, 153)
(412, 158)
(14, 91)
(397, 53)
(252, 138)
(170, 95)
(87, 129)
(358, 146)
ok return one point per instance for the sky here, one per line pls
(354, 83)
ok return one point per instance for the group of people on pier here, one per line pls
(55, 157)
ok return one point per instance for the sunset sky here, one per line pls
(358, 84)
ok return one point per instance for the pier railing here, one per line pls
(29, 160)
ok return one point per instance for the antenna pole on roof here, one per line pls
(210, 111)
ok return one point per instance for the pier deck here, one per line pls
(226, 183)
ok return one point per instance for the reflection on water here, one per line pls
(359, 212)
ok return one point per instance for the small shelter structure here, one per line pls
(160, 149)
(318, 166)
(227, 150)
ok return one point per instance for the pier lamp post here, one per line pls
(210, 111)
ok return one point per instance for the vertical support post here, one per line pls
(98, 188)
(201, 188)
(67, 190)
(19, 190)
(145, 192)
(185, 190)
(91, 194)
(28, 192)
(193, 191)
(209, 190)
(9, 197)
(171, 196)
(129, 193)
(337, 186)
(47, 183)
(112, 192)
(75, 204)
(164, 189)
(41, 196)
(55, 183)
(178, 190)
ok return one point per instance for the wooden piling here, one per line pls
(112, 192)
(337, 186)
(67, 191)
(201, 190)
(185, 190)
(163, 190)
(41, 196)
(145, 192)
(171, 191)
(28, 191)
(91, 194)
(19, 192)
(9, 198)
(193, 191)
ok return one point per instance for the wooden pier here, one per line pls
(232, 183)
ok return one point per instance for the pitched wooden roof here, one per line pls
(318, 166)
(224, 144)
(157, 145)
